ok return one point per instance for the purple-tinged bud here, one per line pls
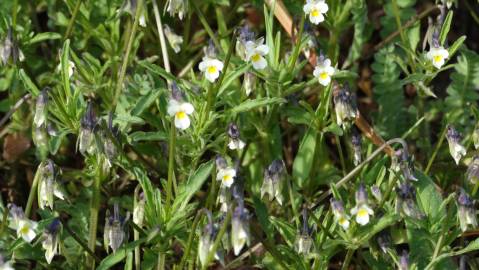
(244, 35)
(384, 240)
(240, 235)
(377, 194)
(361, 194)
(273, 181)
(455, 147)
(340, 215)
(51, 240)
(475, 137)
(249, 82)
(344, 104)
(114, 233)
(206, 241)
(211, 51)
(467, 212)
(234, 135)
(220, 162)
(304, 242)
(87, 127)
(356, 142)
(472, 173)
(406, 201)
(46, 176)
(404, 261)
(41, 110)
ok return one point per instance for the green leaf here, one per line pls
(187, 189)
(145, 102)
(31, 87)
(119, 255)
(43, 36)
(157, 70)
(303, 161)
(263, 216)
(456, 45)
(252, 104)
(139, 136)
(445, 27)
(428, 198)
(286, 229)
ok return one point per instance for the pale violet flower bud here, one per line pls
(40, 137)
(304, 241)
(51, 240)
(475, 137)
(245, 35)
(376, 191)
(255, 52)
(356, 142)
(362, 211)
(404, 261)
(315, 9)
(240, 235)
(224, 198)
(456, 149)
(206, 241)
(9, 48)
(249, 83)
(220, 162)
(86, 140)
(467, 212)
(384, 240)
(174, 40)
(139, 211)
(226, 176)
(323, 71)
(41, 109)
(4, 264)
(344, 105)
(114, 233)
(273, 181)
(406, 201)
(234, 135)
(180, 110)
(129, 6)
(472, 173)
(406, 164)
(179, 7)
(47, 185)
(339, 214)
(437, 55)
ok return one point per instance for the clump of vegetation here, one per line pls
(182, 134)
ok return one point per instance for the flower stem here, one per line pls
(218, 239)
(190, 240)
(121, 77)
(161, 34)
(203, 21)
(171, 163)
(72, 20)
(347, 259)
(433, 156)
(136, 234)
(94, 209)
(31, 196)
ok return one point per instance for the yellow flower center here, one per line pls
(363, 212)
(437, 58)
(256, 57)
(323, 75)
(212, 69)
(342, 221)
(314, 13)
(24, 229)
(180, 114)
(227, 178)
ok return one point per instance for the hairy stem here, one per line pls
(171, 164)
(94, 209)
(72, 20)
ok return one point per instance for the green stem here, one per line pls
(161, 34)
(214, 88)
(341, 155)
(190, 240)
(161, 261)
(14, 15)
(297, 48)
(211, 196)
(203, 21)
(218, 239)
(136, 234)
(31, 196)
(171, 164)
(4, 220)
(293, 206)
(433, 156)
(347, 259)
(72, 20)
(80, 241)
(121, 77)
(94, 209)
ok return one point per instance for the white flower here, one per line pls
(226, 176)
(362, 213)
(211, 68)
(70, 68)
(255, 52)
(323, 71)
(343, 221)
(174, 39)
(438, 56)
(316, 10)
(236, 144)
(177, 7)
(5, 265)
(180, 110)
(26, 229)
